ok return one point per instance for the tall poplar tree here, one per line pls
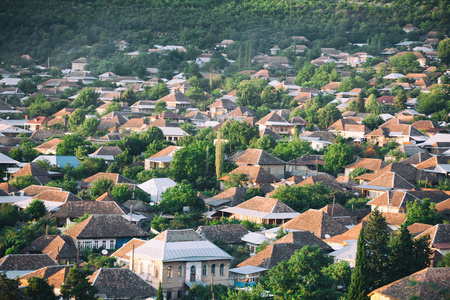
(220, 148)
(358, 288)
(360, 103)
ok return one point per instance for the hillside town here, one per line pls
(306, 174)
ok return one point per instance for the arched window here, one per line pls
(169, 272)
(205, 270)
(156, 271)
(222, 269)
(213, 269)
(180, 271)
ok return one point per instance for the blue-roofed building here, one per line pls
(60, 160)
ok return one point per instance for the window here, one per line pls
(141, 268)
(96, 244)
(169, 272)
(213, 269)
(205, 270)
(222, 269)
(111, 244)
(169, 295)
(104, 244)
(88, 244)
(156, 271)
(179, 293)
(180, 272)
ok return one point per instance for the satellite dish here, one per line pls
(152, 203)
(327, 236)
(104, 251)
(5, 178)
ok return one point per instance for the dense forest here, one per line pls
(64, 30)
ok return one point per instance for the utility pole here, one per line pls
(212, 286)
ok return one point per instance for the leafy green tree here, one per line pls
(422, 211)
(400, 100)
(9, 288)
(36, 209)
(266, 142)
(359, 289)
(113, 106)
(76, 119)
(9, 215)
(444, 51)
(236, 180)
(220, 148)
(373, 122)
(86, 98)
(327, 115)
(373, 106)
(291, 150)
(68, 144)
(377, 239)
(101, 186)
(253, 192)
(257, 293)
(445, 261)
(239, 134)
(337, 156)
(189, 128)
(29, 153)
(89, 127)
(203, 292)
(39, 289)
(128, 96)
(16, 154)
(405, 63)
(356, 172)
(175, 198)
(77, 286)
(21, 182)
(435, 101)
(27, 86)
(160, 107)
(101, 261)
(304, 276)
(121, 192)
(157, 91)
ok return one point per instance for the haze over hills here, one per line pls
(62, 29)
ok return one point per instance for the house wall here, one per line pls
(78, 66)
(275, 170)
(107, 243)
(377, 296)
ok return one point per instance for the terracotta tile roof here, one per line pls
(346, 182)
(391, 180)
(135, 123)
(433, 162)
(7, 187)
(283, 249)
(65, 111)
(334, 85)
(263, 204)
(418, 228)
(169, 150)
(236, 194)
(22, 262)
(396, 199)
(33, 190)
(272, 117)
(163, 123)
(254, 174)
(318, 222)
(386, 99)
(57, 196)
(175, 97)
(115, 177)
(417, 158)
(444, 207)
(327, 180)
(56, 246)
(242, 111)
(223, 103)
(428, 126)
(105, 197)
(37, 120)
(105, 226)
(439, 236)
(269, 132)
(128, 247)
(392, 218)
(255, 157)
(229, 233)
(393, 130)
(77, 209)
(50, 145)
(405, 170)
(121, 283)
(108, 150)
(336, 210)
(55, 275)
(425, 289)
(371, 164)
(35, 170)
(7, 141)
(307, 160)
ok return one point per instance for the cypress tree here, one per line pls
(378, 252)
(159, 294)
(220, 148)
(360, 103)
(358, 288)
(401, 247)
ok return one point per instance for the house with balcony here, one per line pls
(276, 123)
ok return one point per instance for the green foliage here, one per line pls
(373, 106)
(86, 98)
(42, 106)
(101, 261)
(174, 199)
(29, 154)
(149, 174)
(113, 106)
(21, 182)
(236, 180)
(406, 63)
(239, 135)
(397, 154)
(121, 192)
(67, 185)
(266, 143)
(373, 122)
(128, 96)
(159, 294)
(360, 107)
(76, 119)
(77, 286)
(203, 292)
(400, 100)
(160, 107)
(359, 288)
(422, 211)
(9, 215)
(327, 115)
(69, 144)
(9, 288)
(88, 167)
(101, 186)
(444, 51)
(287, 151)
(356, 172)
(16, 154)
(435, 101)
(39, 289)
(79, 220)
(36, 209)
(253, 192)
(445, 261)
(307, 275)
(337, 156)
(257, 293)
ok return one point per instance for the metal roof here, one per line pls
(245, 270)
(259, 214)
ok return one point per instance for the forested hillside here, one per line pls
(61, 28)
